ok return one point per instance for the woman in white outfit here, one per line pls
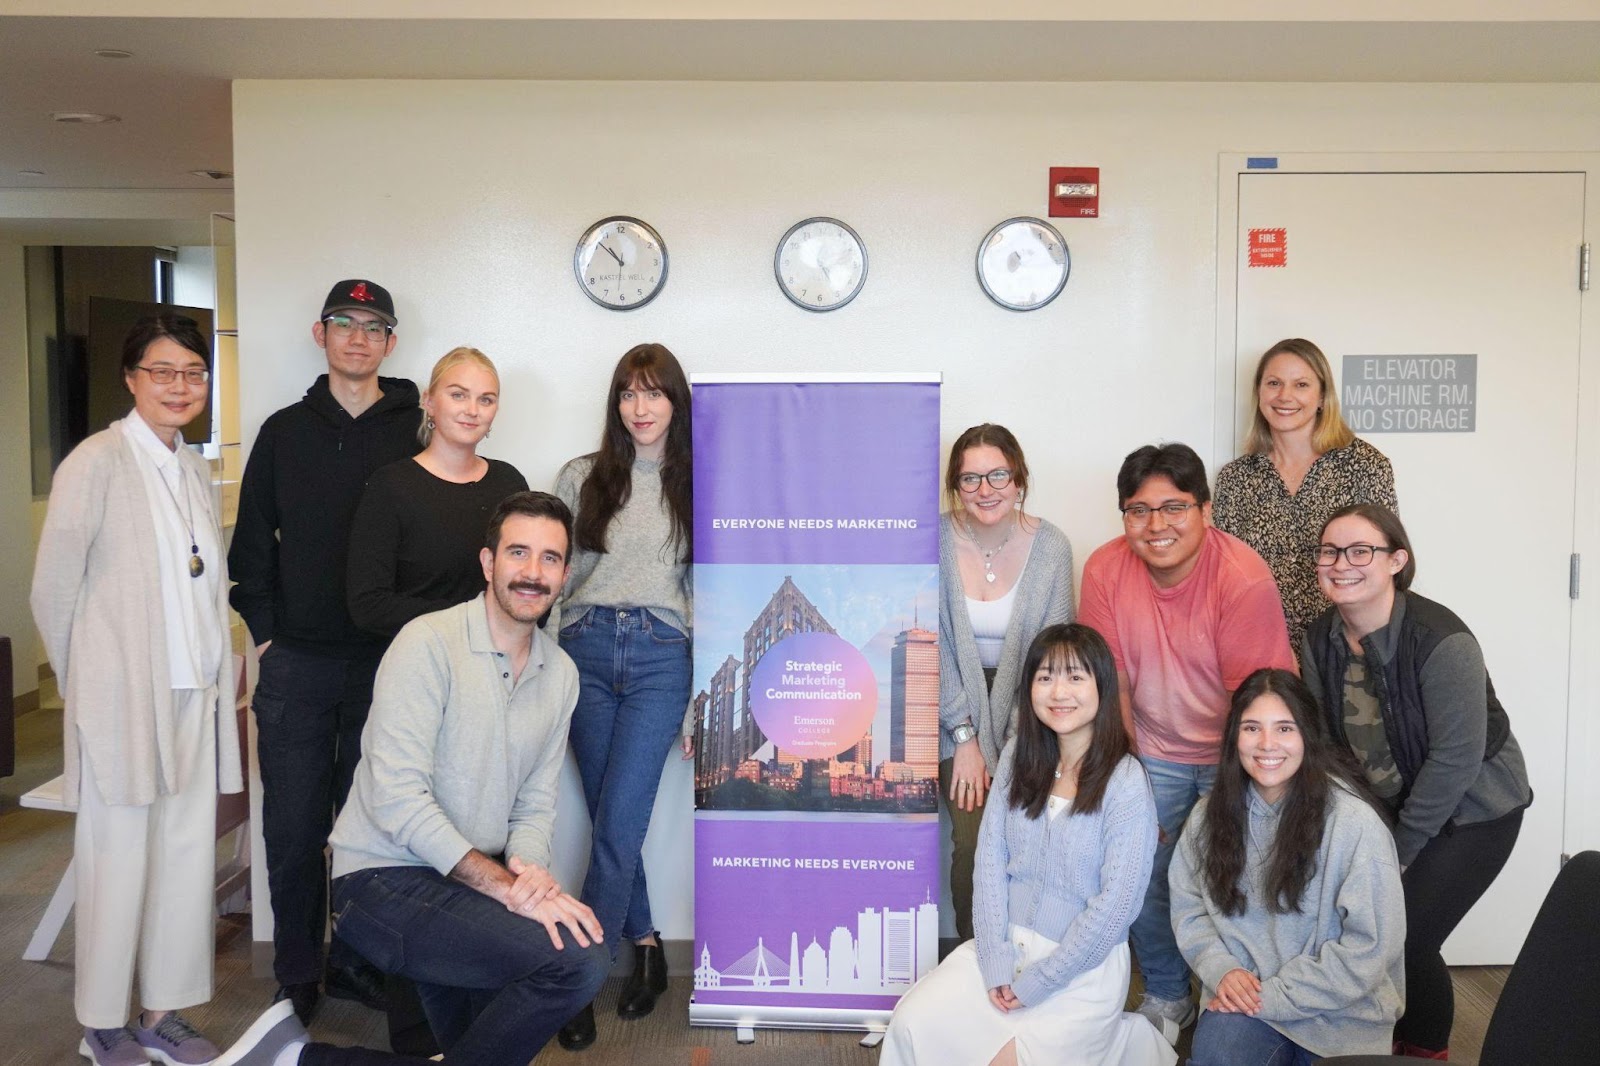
(130, 596)
(1063, 859)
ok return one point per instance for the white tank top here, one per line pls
(990, 618)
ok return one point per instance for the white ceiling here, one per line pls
(174, 94)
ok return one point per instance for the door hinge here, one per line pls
(1572, 576)
(1583, 267)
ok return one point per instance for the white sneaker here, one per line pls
(1169, 1016)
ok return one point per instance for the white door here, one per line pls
(1424, 264)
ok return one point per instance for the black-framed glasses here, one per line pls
(1174, 511)
(166, 375)
(374, 328)
(998, 478)
(1354, 554)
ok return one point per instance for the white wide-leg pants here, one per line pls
(145, 881)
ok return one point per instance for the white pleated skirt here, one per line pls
(947, 1020)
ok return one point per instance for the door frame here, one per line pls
(1581, 802)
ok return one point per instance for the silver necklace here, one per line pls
(988, 555)
(197, 565)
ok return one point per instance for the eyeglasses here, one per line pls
(1355, 554)
(165, 375)
(1138, 514)
(372, 327)
(998, 478)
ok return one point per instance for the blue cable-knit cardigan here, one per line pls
(1077, 879)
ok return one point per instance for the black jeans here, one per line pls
(1448, 876)
(310, 710)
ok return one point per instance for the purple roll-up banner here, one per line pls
(816, 680)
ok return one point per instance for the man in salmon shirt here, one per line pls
(1189, 611)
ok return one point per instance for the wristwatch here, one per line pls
(963, 732)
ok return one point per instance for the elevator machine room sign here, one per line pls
(1410, 393)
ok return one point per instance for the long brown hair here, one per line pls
(610, 480)
(1038, 751)
(1324, 765)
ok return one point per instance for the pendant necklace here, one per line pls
(988, 555)
(197, 565)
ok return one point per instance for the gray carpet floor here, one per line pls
(37, 1026)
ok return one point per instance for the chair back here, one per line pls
(1547, 1016)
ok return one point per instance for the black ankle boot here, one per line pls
(648, 980)
(578, 1033)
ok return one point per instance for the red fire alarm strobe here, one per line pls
(1074, 192)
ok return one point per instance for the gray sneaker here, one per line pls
(274, 1032)
(1169, 1016)
(112, 1047)
(175, 1042)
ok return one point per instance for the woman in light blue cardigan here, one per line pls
(1063, 860)
(1004, 575)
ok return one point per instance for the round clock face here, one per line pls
(1023, 264)
(820, 264)
(621, 263)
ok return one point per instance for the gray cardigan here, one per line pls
(1333, 973)
(97, 602)
(1044, 597)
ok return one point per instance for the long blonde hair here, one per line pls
(449, 361)
(1330, 431)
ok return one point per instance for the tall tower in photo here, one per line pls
(721, 749)
(914, 702)
(787, 613)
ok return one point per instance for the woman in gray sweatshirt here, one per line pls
(1286, 895)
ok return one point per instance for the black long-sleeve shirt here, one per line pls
(301, 486)
(415, 541)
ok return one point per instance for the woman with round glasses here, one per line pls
(625, 620)
(1403, 684)
(130, 593)
(418, 530)
(1003, 575)
(1301, 463)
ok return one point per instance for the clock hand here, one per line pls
(613, 255)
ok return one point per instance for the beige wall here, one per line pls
(16, 494)
(465, 198)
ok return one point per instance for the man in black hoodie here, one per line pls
(301, 485)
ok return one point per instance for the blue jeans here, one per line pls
(494, 985)
(633, 674)
(310, 710)
(1239, 1040)
(1177, 787)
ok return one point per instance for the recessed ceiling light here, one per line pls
(86, 118)
(31, 173)
(113, 53)
(214, 175)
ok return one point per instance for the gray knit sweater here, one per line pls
(638, 569)
(1077, 879)
(1044, 597)
(1333, 973)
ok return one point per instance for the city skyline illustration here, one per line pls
(886, 953)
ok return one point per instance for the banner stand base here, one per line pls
(745, 1020)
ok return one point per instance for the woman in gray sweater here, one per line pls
(625, 620)
(1003, 576)
(1286, 893)
(1063, 862)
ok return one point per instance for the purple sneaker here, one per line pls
(112, 1047)
(175, 1042)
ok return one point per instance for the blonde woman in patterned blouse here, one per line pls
(1301, 463)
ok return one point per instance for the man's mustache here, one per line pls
(538, 587)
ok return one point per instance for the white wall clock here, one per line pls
(820, 264)
(1023, 263)
(621, 263)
